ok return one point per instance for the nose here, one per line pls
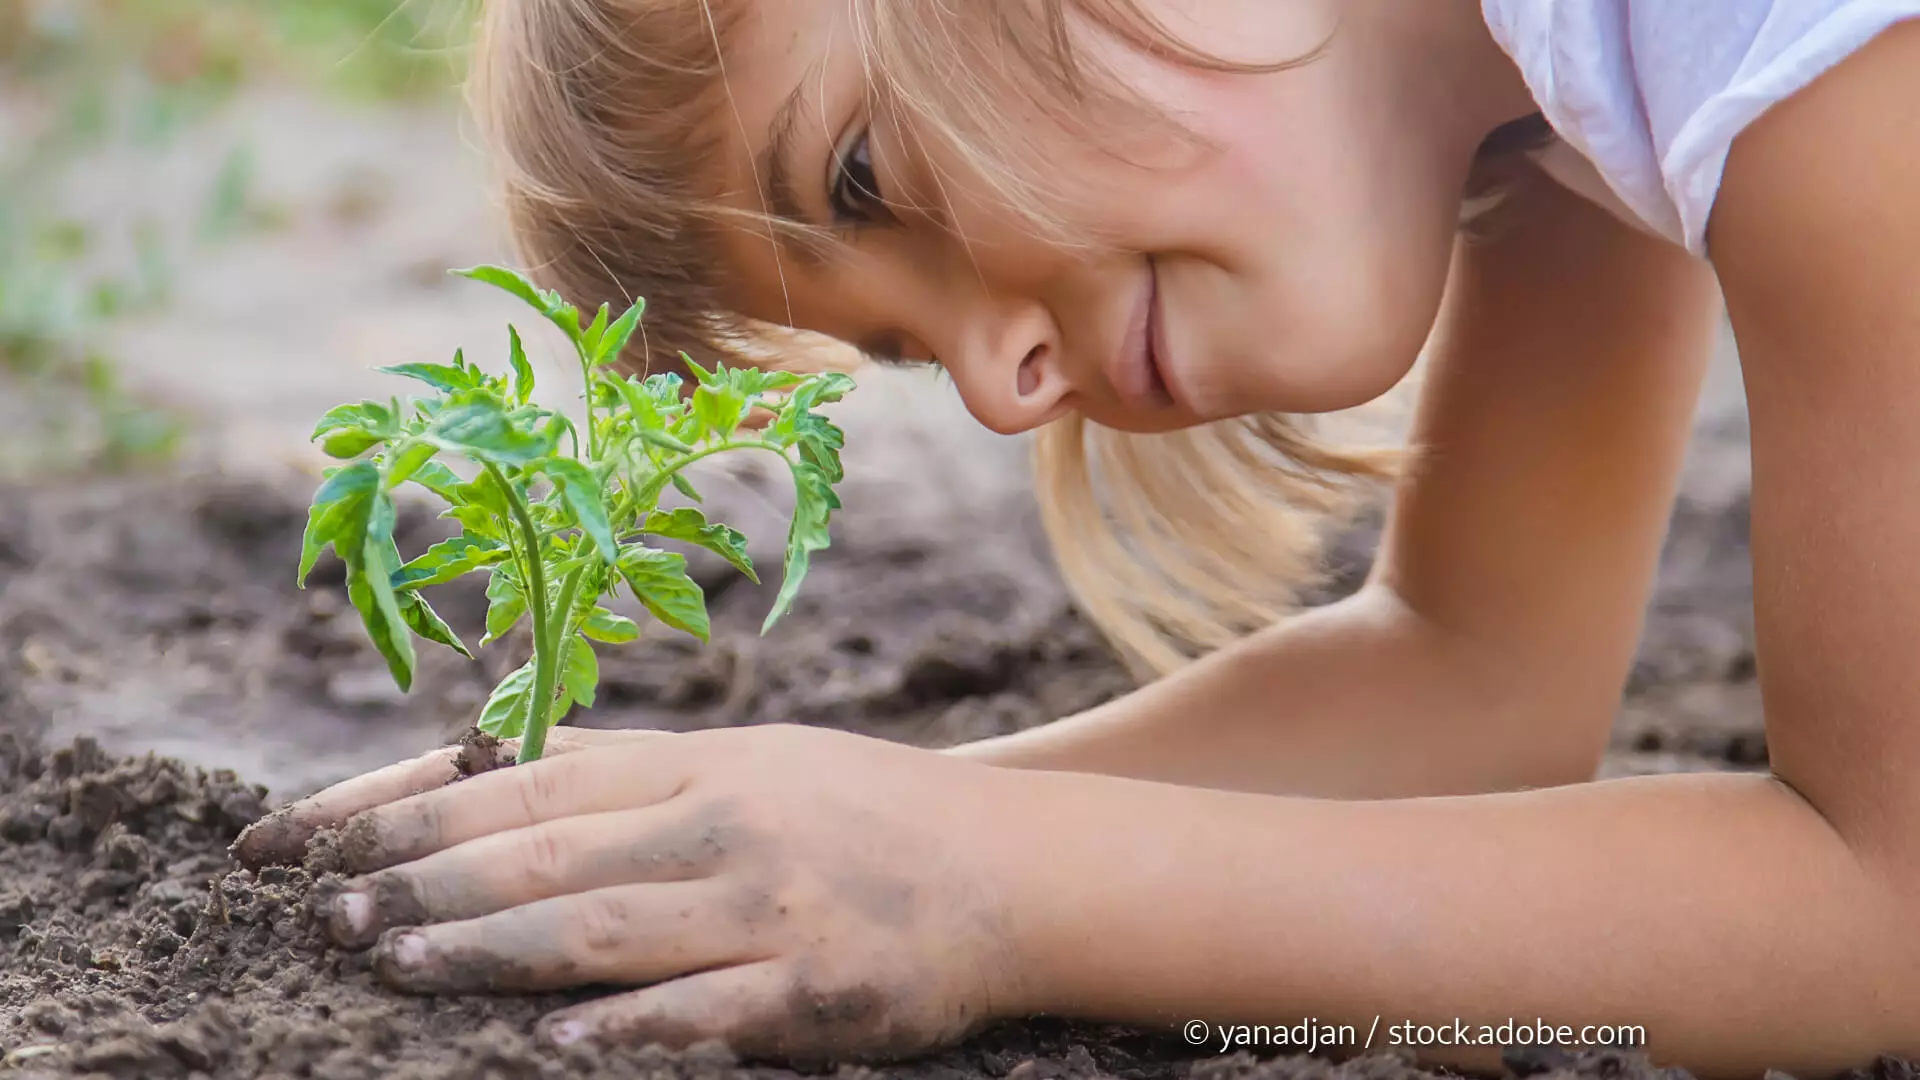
(1011, 376)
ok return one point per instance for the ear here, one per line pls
(758, 418)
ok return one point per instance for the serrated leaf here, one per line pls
(614, 342)
(814, 503)
(820, 443)
(752, 380)
(349, 443)
(450, 559)
(505, 605)
(659, 580)
(486, 494)
(545, 301)
(511, 281)
(590, 337)
(478, 521)
(370, 588)
(423, 620)
(505, 714)
(690, 525)
(685, 486)
(719, 408)
(446, 378)
(438, 479)
(482, 430)
(369, 416)
(705, 377)
(580, 674)
(408, 459)
(656, 437)
(522, 369)
(581, 491)
(338, 515)
(604, 625)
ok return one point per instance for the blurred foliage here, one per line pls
(80, 78)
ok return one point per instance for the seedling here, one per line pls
(557, 516)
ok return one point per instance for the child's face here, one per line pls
(1292, 262)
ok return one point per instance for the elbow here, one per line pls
(1536, 719)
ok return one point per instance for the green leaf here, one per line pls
(421, 617)
(545, 301)
(446, 378)
(477, 521)
(484, 493)
(580, 675)
(505, 605)
(502, 278)
(339, 515)
(450, 559)
(581, 490)
(350, 443)
(591, 336)
(719, 408)
(604, 625)
(407, 459)
(370, 587)
(614, 342)
(752, 380)
(814, 503)
(705, 377)
(685, 486)
(659, 579)
(690, 525)
(481, 429)
(505, 714)
(796, 424)
(522, 370)
(656, 437)
(438, 479)
(369, 416)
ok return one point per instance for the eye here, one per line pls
(853, 191)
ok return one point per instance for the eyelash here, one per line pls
(868, 206)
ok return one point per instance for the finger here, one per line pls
(520, 866)
(632, 934)
(761, 1010)
(280, 838)
(613, 778)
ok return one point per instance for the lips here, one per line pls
(1138, 368)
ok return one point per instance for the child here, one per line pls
(1165, 231)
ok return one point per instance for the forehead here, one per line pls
(787, 64)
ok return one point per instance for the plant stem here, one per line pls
(533, 731)
(586, 378)
(659, 481)
(533, 740)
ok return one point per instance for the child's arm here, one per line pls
(1555, 411)
(1746, 921)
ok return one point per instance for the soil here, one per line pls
(163, 606)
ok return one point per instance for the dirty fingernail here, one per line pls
(408, 951)
(353, 911)
(567, 1032)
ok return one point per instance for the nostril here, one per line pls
(1030, 370)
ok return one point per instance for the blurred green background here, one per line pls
(89, 87)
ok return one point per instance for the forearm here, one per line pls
(1720, 912)
(1355, 700)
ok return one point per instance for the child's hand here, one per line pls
(792, 891)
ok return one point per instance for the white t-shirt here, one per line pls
(1647, 96)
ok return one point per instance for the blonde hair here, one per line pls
(598, 113)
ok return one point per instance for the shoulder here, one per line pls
(1649, 95)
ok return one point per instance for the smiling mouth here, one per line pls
(1139, 367)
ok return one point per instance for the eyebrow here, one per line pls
(780, 195)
